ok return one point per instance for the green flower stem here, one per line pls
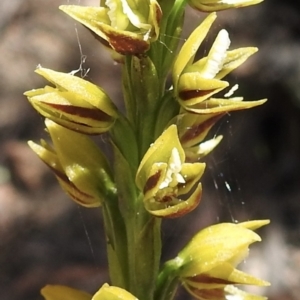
(144, 250)
(147, 93)
(128, 92)
(167, 281)
(124, 138)
(116, 244)
(134, 255)
(169, 108)
(163, 51)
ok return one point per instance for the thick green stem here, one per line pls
(167, 281)
(116, 245)
(138, 231)
(144, 250)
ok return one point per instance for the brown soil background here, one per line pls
(254, 173)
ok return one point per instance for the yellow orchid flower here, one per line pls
(73, 103)
(79, 165)
(196, 82)
(207, 264)
(127, 26)
(165, 178)
(216, 5)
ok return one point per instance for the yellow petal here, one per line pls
(215, 106)
(177, 207)
(190, 48)
(234, 59)
(217, 5)
(107, 292)
(253, 225)
(60, 292)
(217, 244)
(89, 92)
(193, 89)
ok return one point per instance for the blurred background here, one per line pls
(254, 173)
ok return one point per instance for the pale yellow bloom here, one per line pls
(195, 82)
(164, 177)
(207, 264)
(126, 26)
(73, 103)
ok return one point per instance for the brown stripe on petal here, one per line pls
(94, 114)
(204, 278)
(195, 131)
(190, 94)
(127, 45)
(152, 181)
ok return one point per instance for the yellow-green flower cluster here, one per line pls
(157, 145)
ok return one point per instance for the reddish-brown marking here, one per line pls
(190, 94)
(94, 114)
(203, 278)
(152, 181)
(195, 131)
